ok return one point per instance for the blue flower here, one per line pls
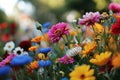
(48, 63)
(21, 60)
(64, 78)
(45, 30)
(4, 70)
(41, 63)
(44, 50)
(46, 25)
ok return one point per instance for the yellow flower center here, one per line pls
(82, 77)
(57, 31)
(9, 46)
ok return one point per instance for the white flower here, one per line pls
(41, 70)
(74, 51)
(9, 46)
(18, 51)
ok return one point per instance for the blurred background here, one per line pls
(17, 17)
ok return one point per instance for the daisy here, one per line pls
(18, 51)
(9, 46)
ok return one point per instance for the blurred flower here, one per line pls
(41, 63)
(73, 51)
(98, 28)
(114, 7)
(34, 65)
(6, 37)
(64, 78)
(33, 48)
(18, 51)
(101, 59)
(62, 73)
(88, 48)
(5, 70)
(37, 39)
(25, 44)
(41, 70)
(116, 61)
(66, 60)
(9, 46)
(72, 33)
(45, 50)
(3, 25)
(41, 56)
(48, 63)
(46, 25)
(82, 72)
(104, 15)
(21, 60)
(89, 18)
(57, 31)
(6, 60)
(116, 27)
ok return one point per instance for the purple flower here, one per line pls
(56, 32)
(7, 60)
(66, 60)
(114, 7)
(89, 18)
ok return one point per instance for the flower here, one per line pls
(65, 78)
(20, 60)
(18, 51)
(33, 48)
(57, 31)
(66, 60)
(37, 39)
(25, 44)
(88, 48)
(73, 51)
(6, 37)
(45, 50)
(82, 72)
(116, 61)
(116, 27)
(46, 25)
(41, 63)
(101, 59)
(89, 18)
(48, 62)
(4, 70)
(41, 56)
(114, 7)
(7, 60)
(9, 46)
(34, 65)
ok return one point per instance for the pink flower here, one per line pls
(66, 60)
(7, 60)
(89, 18)
(56, 32)
(114, 7)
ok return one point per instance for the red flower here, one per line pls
(6, 37)
(25, 44)
(116, 27)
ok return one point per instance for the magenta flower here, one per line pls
(7, 60)
(56, 32)
(89, 18)
(114, 7)
(66, 60)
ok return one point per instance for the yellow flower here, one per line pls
(116, 61)
(101, 59)
(41, 56)
(37, 39)
(98, 28)
(82, 72)
(33, 48)
(72, 32)
(88, 48)
(33, 65)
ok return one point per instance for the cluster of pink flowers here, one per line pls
(89, 18)
(66, 60)
(114, 7)
(6, 60)
(57, 31)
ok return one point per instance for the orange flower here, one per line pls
(33, 65)
(101, 59)
(37, 39)
(88, 48)
(33, 48)
(116, 61)
(72, 32)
